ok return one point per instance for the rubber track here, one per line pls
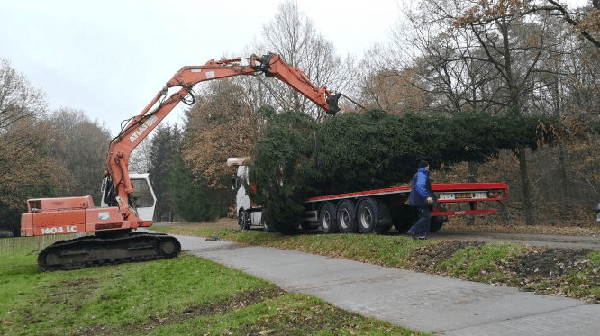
(91, 251)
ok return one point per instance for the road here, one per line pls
(440, 305)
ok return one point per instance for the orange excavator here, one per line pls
(112, 224)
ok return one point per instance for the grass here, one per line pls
(481, 263)
(389, 251)
(185, 295)
(493, 263)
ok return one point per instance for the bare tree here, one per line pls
(394, 91)
(295, 38)
(25, 168)
(81, 144)
(223, 123)
(487, 56)
(139, 161)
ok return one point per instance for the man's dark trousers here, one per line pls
(422, 226)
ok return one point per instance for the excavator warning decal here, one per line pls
(144, 127)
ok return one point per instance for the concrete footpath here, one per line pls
(440, 305)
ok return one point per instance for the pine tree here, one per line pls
(194, 200)
(165, 145)
(297, 158)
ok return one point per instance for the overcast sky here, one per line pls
(109, 58)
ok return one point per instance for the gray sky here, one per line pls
(109, 58)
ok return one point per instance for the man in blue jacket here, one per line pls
(421, 196)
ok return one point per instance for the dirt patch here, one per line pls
(78, 282)
(550, 263)
(241, 300)
(566, 272)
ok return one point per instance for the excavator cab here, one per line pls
(143, 199)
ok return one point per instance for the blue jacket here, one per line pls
(421, 188)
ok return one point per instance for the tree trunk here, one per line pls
(504, 211)
(472, 178)
(565, 198)
(528, 210)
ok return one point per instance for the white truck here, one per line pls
(374, 210)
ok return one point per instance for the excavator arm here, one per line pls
(272, 65)
(113, 240)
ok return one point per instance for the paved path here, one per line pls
(440, 305)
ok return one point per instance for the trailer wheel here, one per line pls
(346, 215)
(367, 215)
(384, 218)
(327, 218)
(373, 216)
(264, 222)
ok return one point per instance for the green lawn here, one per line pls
(182, 296)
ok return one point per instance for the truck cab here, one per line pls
(249, 214)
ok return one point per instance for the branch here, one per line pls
(560, 8)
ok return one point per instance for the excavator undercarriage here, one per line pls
(99, 250)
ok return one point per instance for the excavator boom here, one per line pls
(113, 241)
(186, 78)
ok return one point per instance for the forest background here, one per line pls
(535, 58)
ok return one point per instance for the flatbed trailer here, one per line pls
(375, 210)
(380, 209)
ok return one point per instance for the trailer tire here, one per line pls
(384, 220)
(373, 216)
(366, 215)
(327, 218)
(438, 221)
(346, 217)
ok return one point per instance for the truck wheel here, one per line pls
(244, 220)
(327, 218)
(346, 217)
(266, 227)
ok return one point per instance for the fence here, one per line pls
(10, 247)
